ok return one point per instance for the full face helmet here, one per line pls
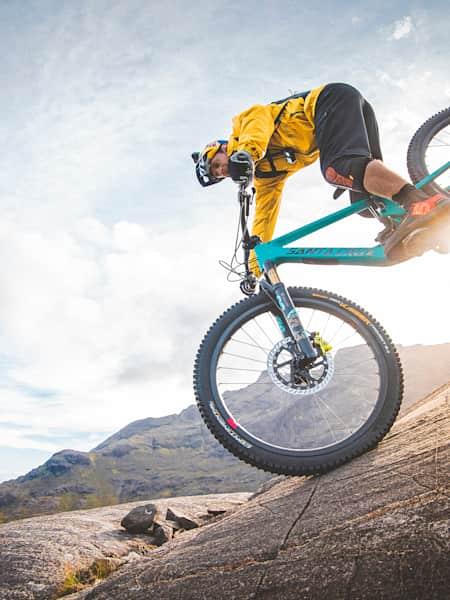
(203, 163)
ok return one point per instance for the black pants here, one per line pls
(347, 135)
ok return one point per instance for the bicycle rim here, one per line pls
(251, 379)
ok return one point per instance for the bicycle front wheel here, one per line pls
(428, 150)
(298, 423)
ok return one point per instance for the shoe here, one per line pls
(412, 236)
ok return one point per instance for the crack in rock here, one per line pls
(283, 545)
(302, 512)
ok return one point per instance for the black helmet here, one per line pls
(203, 162)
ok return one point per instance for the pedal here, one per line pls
(384, 234)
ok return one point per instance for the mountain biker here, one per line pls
(334, 122)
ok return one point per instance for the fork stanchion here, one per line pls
(277, 291)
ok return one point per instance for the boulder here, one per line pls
(183, 519)
(140, 519)
(162, 532)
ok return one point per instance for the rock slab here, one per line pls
(374, 529)
(42, 558)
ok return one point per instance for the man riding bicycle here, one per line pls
(334, 122)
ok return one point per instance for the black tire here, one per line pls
(428, 149)
(248, 421)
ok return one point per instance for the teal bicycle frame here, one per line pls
(271, 254)
(275, 252)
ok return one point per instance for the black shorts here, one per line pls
(347, 135)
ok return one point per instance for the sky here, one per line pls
(109, 247)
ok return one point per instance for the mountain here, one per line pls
(155, 457)
(176, 455)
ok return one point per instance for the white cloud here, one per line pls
(402, 28)
(96, 322)
(109, 249)
(96, 120)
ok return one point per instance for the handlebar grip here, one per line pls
(241, 167)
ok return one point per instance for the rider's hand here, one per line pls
(240, 167)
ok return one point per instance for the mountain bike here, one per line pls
(300, 380)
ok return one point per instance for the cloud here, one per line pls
(97, 116)
(100, 314)
(109, 248)
(402, 28)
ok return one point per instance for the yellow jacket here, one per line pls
(267, 132)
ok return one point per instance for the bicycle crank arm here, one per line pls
(277, 292)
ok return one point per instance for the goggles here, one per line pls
(203, 163)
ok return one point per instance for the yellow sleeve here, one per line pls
(254, 129)
(268, 202)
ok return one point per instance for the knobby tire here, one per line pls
(270, 456)
(434, 133)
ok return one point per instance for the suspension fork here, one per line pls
(277, 292)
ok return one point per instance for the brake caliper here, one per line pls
(319, 342)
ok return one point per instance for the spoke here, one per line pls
(316, 430)
(325, 418)
(275, 322)
(310, 319)
(332, 412)
(355, 364)
(436, 155)
(243, 383)
(264, 332)
(336, 332)
(347, 338)
(239, 369)
(438, 138)
(244, 357)
(253, 340)
(251, 345)
(439, 142)
(370, 402)
(324, 328)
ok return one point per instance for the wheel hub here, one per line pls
(295, 376)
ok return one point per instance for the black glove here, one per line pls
(240, 167)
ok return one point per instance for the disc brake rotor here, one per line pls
(289, 377)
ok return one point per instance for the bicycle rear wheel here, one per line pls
(298, 422)
(428, 150)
